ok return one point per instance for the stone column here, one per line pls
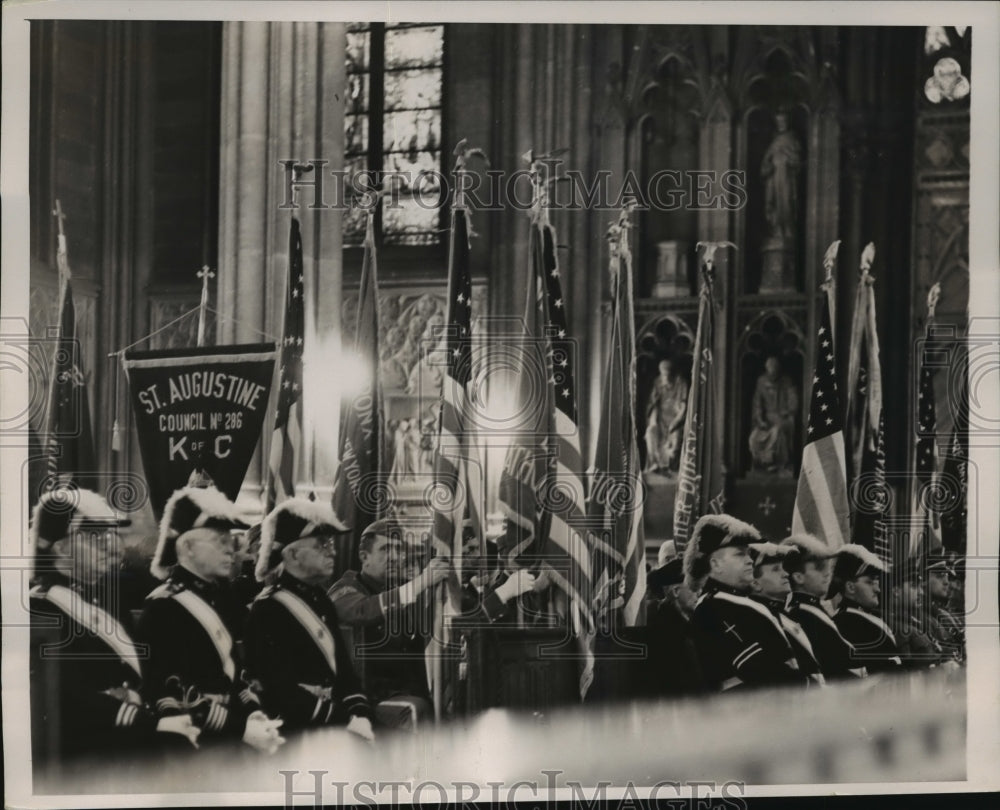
(282, 100)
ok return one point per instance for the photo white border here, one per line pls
(983, 751)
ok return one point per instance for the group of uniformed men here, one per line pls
(740, 610)
(202, 666)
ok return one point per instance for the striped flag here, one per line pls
(69, 442)
(356, 490)
(615, 498)
(700, 481)
(821, 498)
(955, 474)
(287, 435)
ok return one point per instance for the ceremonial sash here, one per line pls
(212, 624)
(861, 672)
(97, 621)
(312, 623)
(881, 625)
(745, 600)
(793, 628)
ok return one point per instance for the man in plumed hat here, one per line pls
(193, 621)
(810, 571)
(85, 670)
(771, 589)
(672, 666)
(740, 643)
(856, 576)
(944, 625)
(385, 623)
(294, 645)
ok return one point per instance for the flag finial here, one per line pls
(830, 259)
(932, 298)
(867, 257)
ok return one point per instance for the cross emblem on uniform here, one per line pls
(731, 628)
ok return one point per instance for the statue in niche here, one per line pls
(780, 170)
(665, 413)
(775, 403)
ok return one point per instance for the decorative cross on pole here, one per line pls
(204, 274)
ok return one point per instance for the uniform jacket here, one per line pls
(84, 683)
(192, 628)
(947, 629)
(388, 637)
(833, 652)
(673, 667)
(295, 650)
(917, 648)
(797, 639)
(873, 642)
(740, 642)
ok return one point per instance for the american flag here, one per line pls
(288, 417)
(821, 498)
(70, 444)
(618, 568)
(955, 473)
(566, 551)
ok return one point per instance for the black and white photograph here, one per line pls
(479, 402)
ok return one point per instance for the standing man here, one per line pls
(810, 572)
(739, 642)
(771, 588)
(85, 670)
(384, 618)
(856, 578)
(192, 622)
(293, 642)
(673, 668)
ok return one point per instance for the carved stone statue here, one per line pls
(775, 403)
(665, 413)
(780, 170)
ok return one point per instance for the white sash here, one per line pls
(97, 621)
(746, 600)
(212, 624)
(793, 628)
(312, 623)
(881, 625)
(822, 614)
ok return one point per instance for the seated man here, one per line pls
(388, 634)
(945, 626)
(771, 588)
(810, 571)
(918, 649)
(85, 671)
(740, 643)
(293, 642)
(856, 579)
(192, 621)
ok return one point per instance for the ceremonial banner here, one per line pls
(198, 409)
(361, 438)
(700, 482)
(615, 497)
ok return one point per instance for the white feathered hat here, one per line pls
(61, 511)
(809, 547)
(711, 533)
(192, 508)
(289, 521)
(855, 561)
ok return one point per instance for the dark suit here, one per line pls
(192, 628)
(797, 638)
(833, 652)
(739, 642)
(672, 668)
(296, 651)
(84, 685)
(873, 642)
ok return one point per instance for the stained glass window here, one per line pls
(392, 123)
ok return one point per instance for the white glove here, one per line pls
(262, 733)
(361, 726)
(517, 583)
(180, 724)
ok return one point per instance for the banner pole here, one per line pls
(204, 274)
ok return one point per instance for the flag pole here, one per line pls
(62, 263)
(204, 274)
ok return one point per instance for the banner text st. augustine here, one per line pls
(190, 385)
